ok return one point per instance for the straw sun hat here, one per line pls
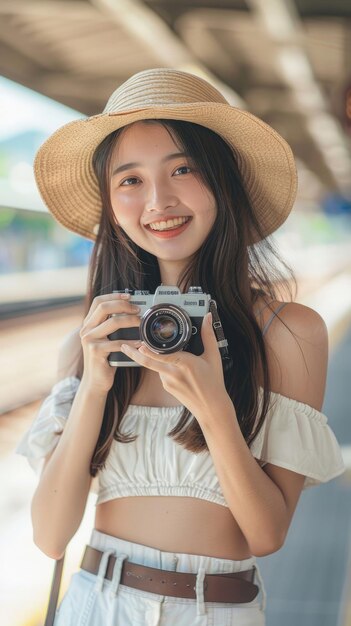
(63, 164)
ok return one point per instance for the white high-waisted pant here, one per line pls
(91, 600)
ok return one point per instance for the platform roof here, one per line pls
(287, 61)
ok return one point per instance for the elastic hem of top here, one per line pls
(189, 491)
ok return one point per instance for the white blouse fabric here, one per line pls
(294, 436)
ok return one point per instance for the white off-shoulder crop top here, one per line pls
(294, 436)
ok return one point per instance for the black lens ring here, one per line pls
(172, 310)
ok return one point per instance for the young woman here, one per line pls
(200, 458)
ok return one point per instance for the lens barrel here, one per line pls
(165, 328)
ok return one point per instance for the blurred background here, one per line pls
(287, 61)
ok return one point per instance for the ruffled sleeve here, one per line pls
(297, 437)
(44, 433)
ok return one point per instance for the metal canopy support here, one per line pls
(281, 21)
(149, 28)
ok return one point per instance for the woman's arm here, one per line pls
(263, 500)
(59, 501)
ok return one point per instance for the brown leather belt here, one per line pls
(235, 587)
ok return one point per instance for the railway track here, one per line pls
(29, 344)
(14, 310)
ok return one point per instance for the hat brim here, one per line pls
(68, 185)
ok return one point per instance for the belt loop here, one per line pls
(263, 591)
(116, 576)
(102, 569)
(200, 599)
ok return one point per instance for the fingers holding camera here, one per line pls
(145, 357)
(103, 307)
(193, 380)
(106, 315)
(100, 349)
(110, 325)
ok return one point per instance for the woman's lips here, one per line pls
(167, 234)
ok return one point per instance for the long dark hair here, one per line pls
(226, 266)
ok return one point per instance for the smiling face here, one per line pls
(158, 198)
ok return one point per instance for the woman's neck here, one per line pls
(171, 272)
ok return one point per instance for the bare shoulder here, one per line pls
(297, 350)
(303, 321)
(69, 354)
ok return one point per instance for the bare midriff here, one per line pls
(174, 524)
(171, 523)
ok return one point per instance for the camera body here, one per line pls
(170, 321)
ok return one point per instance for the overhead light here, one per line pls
(279, 18)
(324, 130)
(309, 97)
(294, 66)
(281, 21)
(339, 152)
(340, 167)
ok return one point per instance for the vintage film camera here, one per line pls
(170, 321)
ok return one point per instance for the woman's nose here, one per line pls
(159, 199)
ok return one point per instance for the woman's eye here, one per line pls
(183, 167)
(129, 181)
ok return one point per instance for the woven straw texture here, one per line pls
(63, 164)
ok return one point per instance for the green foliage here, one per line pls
(32, 222)
(6, 217)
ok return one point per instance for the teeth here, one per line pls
(169, 223)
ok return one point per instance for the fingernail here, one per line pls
(125, 296)
(209, 317)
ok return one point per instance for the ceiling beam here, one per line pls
(143, 23)
(39, 8)
(281, 22)
(10, 34)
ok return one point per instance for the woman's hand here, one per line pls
(196, 381)
(96, 345)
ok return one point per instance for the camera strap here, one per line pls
(221, 340)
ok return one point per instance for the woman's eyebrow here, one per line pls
(127, 166)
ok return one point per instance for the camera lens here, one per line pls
(165, 328)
